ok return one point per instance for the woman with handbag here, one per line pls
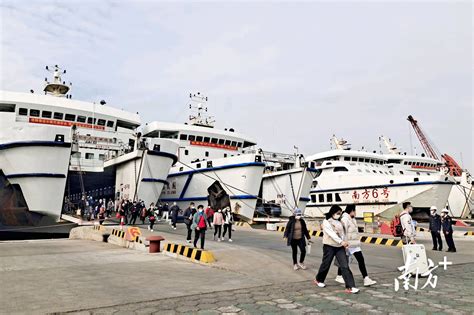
(151, 216)
(351, 235)
(295, 234)
(334, 246)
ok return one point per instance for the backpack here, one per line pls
(396, 226)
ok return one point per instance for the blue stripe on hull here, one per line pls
(238, 197)
(223, 167)
(383, 186)
(50, 175)
(20, 144)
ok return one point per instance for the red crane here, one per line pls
(451, 164)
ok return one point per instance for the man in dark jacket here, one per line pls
(447, 224)
(174, 215)
(295, 233)
(435, 229)
(135, 210)
(188, 218)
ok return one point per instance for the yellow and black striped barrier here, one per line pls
(381, 241)
(281, 228)
(316, 233)
(189, 252)
(118, 233)
(469, 233)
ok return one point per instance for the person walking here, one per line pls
(152, 214)
(199, 226)
(134, 213)
(209, 214)
(409, 231)
(101, 214)
(228, 221)
(435, 229)
(110, 208)
(334, 246)
(188, 220)
(166, 213)
(447, 223)
(122, 216)
(295, 234)
(174, 215)
(352, 237)
(217, 221)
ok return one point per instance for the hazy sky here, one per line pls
(283, 73)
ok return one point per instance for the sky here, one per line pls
(284, 73)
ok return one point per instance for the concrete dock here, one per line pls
(252, 275)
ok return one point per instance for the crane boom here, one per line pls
(423, 139)
(451, 164)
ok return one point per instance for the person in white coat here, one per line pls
(351, 236)
(409, 231)
(334, 246)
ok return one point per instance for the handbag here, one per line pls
(152, 218)
(117, 215)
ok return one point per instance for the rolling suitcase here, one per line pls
(417, 255)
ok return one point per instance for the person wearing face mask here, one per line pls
(218, 220)
(200, 226)
(188, 218)
(435, 229)
(447, 223)
(351, 236)
(228, 221)
(406, 221)
(174, 215)
(334, 246)
(295, 233)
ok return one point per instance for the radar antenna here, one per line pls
(57, 87)
(199, 116)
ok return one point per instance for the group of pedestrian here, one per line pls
(340, 241)
(199, 220)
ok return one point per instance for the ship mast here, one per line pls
(392, 149)
(340, 144)
(57, 87)
(200, 118)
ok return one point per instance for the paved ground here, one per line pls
(251, 273)
(453, 295)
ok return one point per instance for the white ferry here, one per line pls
(287, 181)
(210, 162)
(52, 147)
(376, 183)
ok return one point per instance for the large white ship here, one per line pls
(210, 162)
(376, 183)
(53, 147)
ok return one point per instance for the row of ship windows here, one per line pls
(419, 164)
(68, 117)
(329, 198)
(364, 160)
(89, 156)
(206, 154)
(210, 140)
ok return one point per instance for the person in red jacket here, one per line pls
(210, 215)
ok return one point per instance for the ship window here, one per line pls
(227, 142)
(89, 156)
(91, 120)
(101, 122)
(401, 172)
(221, 141)
(329, 197)
(102, 157)
(70, 117)
(191, 138)
(23, 111)
(199, 138)
(183, 137)
(58, 115)
(416, 179)
(34, 112)
(347, 158)
(214, 140)
(405, 163)
(417, 173)
(225, 154)
(313, 198)
(110, 123)
(354, 159)
(234, 143)
(367, 160)
(338, 198)
(198, 165)
(239, 144)
(181, 169)
(372, 161)
(374, 171)
(380, 172)
(321, 197)
(207, 139)
(361, 160)
(206, 153)
(46, 114)
(81, 119)
(340, 169)
(186, 152)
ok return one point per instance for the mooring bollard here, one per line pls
(155, 243)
